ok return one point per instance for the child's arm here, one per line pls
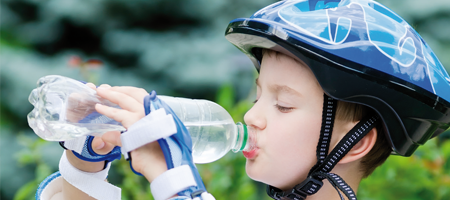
(99, 146)
(56, 187)
(71, 192)
(147, 160)
(160, 127)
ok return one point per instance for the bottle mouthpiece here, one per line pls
(245, 141)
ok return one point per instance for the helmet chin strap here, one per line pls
(325, 163)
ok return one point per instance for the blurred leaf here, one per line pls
(445, 148)
(42, 172)
(27, 191)
(225, 96)
(26, 141)
(25, 157)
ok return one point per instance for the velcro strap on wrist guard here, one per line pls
(171, 182)
(75, 144)
(93, 184)
(152, 127)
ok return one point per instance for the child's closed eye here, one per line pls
(283, 108)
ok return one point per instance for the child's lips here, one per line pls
(252, 149)
(251, 154)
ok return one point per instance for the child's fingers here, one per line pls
(112, 137)
(137, 93)
(104, 86)
(125, 117)
(124, 101)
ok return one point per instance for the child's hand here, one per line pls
(101, 147)
(130, 99)
(78, 107)
(147, 160)
(106, 143)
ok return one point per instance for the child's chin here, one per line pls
(249, 169)
(253, 171)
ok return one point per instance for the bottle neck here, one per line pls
(242, 139)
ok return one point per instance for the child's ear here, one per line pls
(362, 148)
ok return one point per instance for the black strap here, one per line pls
(346, 144)
(328, 115)
(340, 185)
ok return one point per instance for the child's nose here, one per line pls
(255, 116)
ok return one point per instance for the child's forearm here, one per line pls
(84, 165)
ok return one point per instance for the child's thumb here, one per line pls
(106, 143)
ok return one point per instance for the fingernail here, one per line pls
(104, 86)
(91, 85)
(100, 146)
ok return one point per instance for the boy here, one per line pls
(391, 92)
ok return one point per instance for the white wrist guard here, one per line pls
(75, 144)
(174, 181)
(152, 127)
(49, 187)
(171, 182)
(93, 184)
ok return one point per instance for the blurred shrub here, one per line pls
(32, 154)
(176, 48)
(424, 175)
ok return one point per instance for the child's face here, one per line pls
(286, 120)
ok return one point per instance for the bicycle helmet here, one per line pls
(361, 52)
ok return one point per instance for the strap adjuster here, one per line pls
(197, 193)
(308, 187)
(274, 192)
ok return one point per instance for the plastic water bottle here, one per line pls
(212, 129)
(64, 109)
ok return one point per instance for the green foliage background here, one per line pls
(176, 48)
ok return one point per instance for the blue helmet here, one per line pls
(360, 52)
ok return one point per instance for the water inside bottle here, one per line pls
(208, 140)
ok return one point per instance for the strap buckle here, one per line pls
(308, 187)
